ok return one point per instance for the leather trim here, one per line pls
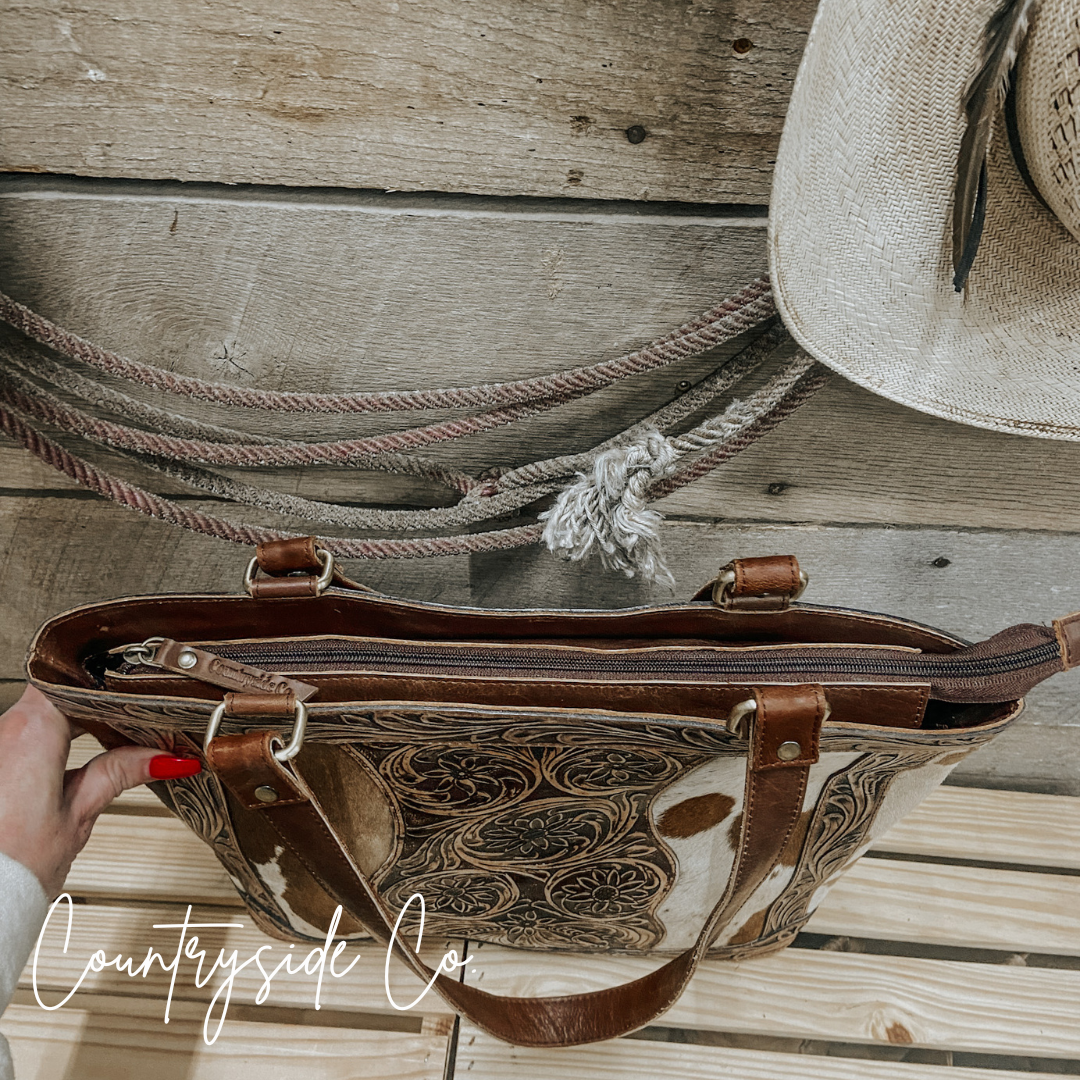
(783, 714)
(770, 575)
(242, 705)
(295, 555)
(57, 651)
(246, 762)
(1067, 631)
(227, 674)
(766, 583)
(270, 588)
(868, 704)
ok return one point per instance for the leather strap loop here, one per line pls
(765, 583)
(298, 555)
(773, 802)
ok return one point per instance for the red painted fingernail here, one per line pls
(166, 767)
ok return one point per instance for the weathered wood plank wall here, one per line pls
(522, 99)
(304, 285)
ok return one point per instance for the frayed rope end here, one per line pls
(607, 511)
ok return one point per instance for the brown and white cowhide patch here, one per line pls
(704, 840)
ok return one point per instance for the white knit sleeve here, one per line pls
(23, 906)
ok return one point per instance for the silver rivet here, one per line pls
(186, 659)
(788, 751)
(265, 793)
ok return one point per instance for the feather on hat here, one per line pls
(924, 231)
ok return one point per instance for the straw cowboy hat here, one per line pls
(924, 231)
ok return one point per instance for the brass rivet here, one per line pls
(265, 793)
(186, 659)
(788, 751)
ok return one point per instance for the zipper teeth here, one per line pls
(913, 667)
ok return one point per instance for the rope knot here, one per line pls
(607, 509)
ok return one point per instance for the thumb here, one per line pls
(90, 789)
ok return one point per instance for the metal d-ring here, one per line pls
(284, 754)
(322, 582)
(739, 717)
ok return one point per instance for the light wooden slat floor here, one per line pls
(122, 1039)
(842, 997)
(482, 1058)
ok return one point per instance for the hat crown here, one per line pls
(1048, 108)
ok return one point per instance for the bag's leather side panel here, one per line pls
(286, 903)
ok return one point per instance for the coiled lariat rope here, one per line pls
(605, 491)
(743, 311)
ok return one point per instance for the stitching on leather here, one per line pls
(793, 574)
(803, 760)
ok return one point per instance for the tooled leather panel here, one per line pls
(844, 815)
(534, 846)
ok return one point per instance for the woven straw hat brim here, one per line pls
(860, 229)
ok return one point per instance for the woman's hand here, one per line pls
(46, 814)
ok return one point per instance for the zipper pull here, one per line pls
(181, 659)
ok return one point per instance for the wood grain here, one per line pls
(122, 1039)
(414, 96)
(482, 1058)
(993, 826)
(128, 930)
(840, 997)
(58, 553)
(64, 552)
(149, 858)
(967, 906)
(363, 292)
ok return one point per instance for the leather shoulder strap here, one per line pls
(783, 744)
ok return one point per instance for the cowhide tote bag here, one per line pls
(684, 779)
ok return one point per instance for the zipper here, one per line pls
(682, 662)
(970, 674)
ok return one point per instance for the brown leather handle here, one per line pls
(775, 788)
(764, 583)
(292, 568)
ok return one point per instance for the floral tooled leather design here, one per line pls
(591, 758)
(448, 780)
(562, 855)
